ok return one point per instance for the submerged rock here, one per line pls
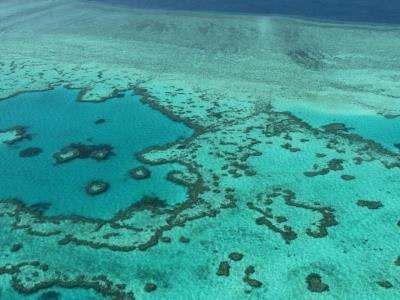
(315, 284)
(185, 178)
(347, 177)
(166, 239)
(391, 116)
(281, 219)
(12, 135)
(251, 281)
(149, 203)
(96, 187)
(235, 256)
(66, 154)
(140, 173)
(369, 204)
(184, 240)
(307, 58)
(73, 151)
(334, 127)
(385, 284)
(335, 164)
(323, 171)
(99, 121)
(150, 287)
(16, 247)
(250, 270)
(51, 295)
(223, 269)
(397, 261)
(30, 152)
(40, 207)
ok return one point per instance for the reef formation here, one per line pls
(273, 204)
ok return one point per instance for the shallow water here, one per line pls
(370, 126)
(258, 199)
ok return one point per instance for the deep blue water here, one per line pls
(55, 119)
(371, 11)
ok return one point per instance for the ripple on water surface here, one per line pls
(55, 120)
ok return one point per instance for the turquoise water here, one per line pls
(267, 202)
(375, 127)
(55, 119)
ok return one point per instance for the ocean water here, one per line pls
(375, 127)
(371, 11)
(55, 119)
(258, 201)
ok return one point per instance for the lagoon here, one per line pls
(55, 119)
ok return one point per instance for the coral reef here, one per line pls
(30, 152)
(96, 187)
(13, 135)
(257, 180)
(315, 284)
(81, 151)
(370, 204)
(140, 173)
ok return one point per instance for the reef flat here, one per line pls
(274, 206)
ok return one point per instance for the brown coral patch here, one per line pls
(82, 151)
(140, 173)
(223, 269)
(315, 284)
(96, 187)
(370, 204)
(262, 206)
(30, 152)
